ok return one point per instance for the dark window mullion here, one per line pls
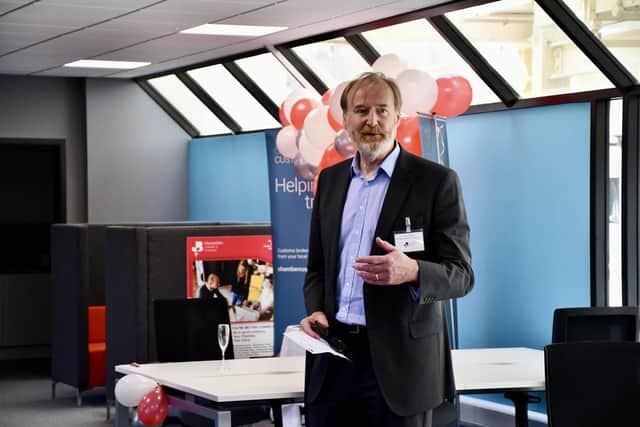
(630, 200)
(363, 47)
(588, 43)
(211, 104)
(309, 75)
(599, 217)
(255, 90)
(182, 121)
(476, 61)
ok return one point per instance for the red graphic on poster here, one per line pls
(239, 269)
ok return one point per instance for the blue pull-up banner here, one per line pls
(291, 203)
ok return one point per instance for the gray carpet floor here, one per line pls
(25, 399)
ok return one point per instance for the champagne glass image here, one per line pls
(224, 334)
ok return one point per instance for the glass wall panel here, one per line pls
(185, 102)
(614, 204)
(233, 98)
(272, 77)
(334, 61)
(617, 24)
(425, 49)
(524, 45)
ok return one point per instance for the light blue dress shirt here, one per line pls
(359, 220)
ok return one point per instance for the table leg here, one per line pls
(223, 419)
(276, 407)
(122, 416)
(520, 401)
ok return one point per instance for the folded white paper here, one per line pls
(312, 345)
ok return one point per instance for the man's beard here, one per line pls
(372, 143)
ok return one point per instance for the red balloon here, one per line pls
(299, 112)
(152, 409)
(283, 118)
(326, 96)
(454, 96)
(329, 158)
(332, 122)
(409, 135)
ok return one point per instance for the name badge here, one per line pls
(412, 241)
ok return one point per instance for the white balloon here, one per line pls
(391, 65)
(419, 91)
(286, 142)
(317, 128)
(131, 388)
(295, 96)
(311, 153)
(334, 102)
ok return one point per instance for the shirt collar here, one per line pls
(387, 166)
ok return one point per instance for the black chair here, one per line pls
(187, 329)
(593, 384)
(595, 324)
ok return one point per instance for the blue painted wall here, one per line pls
(525, 177)
(228, 179)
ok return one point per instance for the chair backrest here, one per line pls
(187, 329)
(593, 384)
(595, 324)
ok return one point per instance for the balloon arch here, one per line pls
(313, 135)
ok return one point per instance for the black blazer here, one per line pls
(408, 337)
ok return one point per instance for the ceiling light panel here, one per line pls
(116, 65)
(233, 30)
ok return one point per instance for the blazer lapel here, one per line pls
(335, 206)
(394, 200)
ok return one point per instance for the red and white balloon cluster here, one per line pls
(136, 390)
(313, 135)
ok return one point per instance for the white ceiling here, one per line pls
(38, 37)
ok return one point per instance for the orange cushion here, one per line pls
(97, 329)
(97, 352)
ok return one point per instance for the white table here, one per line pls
(513, 371)
(281, 379)
(274, 380)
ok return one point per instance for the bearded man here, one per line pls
(389, 242)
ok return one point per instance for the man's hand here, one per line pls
(393, 268)
(316, 316)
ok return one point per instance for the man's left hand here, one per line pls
(393, 268)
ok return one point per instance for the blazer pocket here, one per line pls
(424, 327)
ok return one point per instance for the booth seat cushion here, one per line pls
(97, 346)
(97, 354)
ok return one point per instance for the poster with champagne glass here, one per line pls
(240, 270)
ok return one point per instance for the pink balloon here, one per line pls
(334, 102)
(390, 65)
(310, 152)
(344, 144)
(419, 91)
(317, 128)
(303, 168)
(286, 141)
